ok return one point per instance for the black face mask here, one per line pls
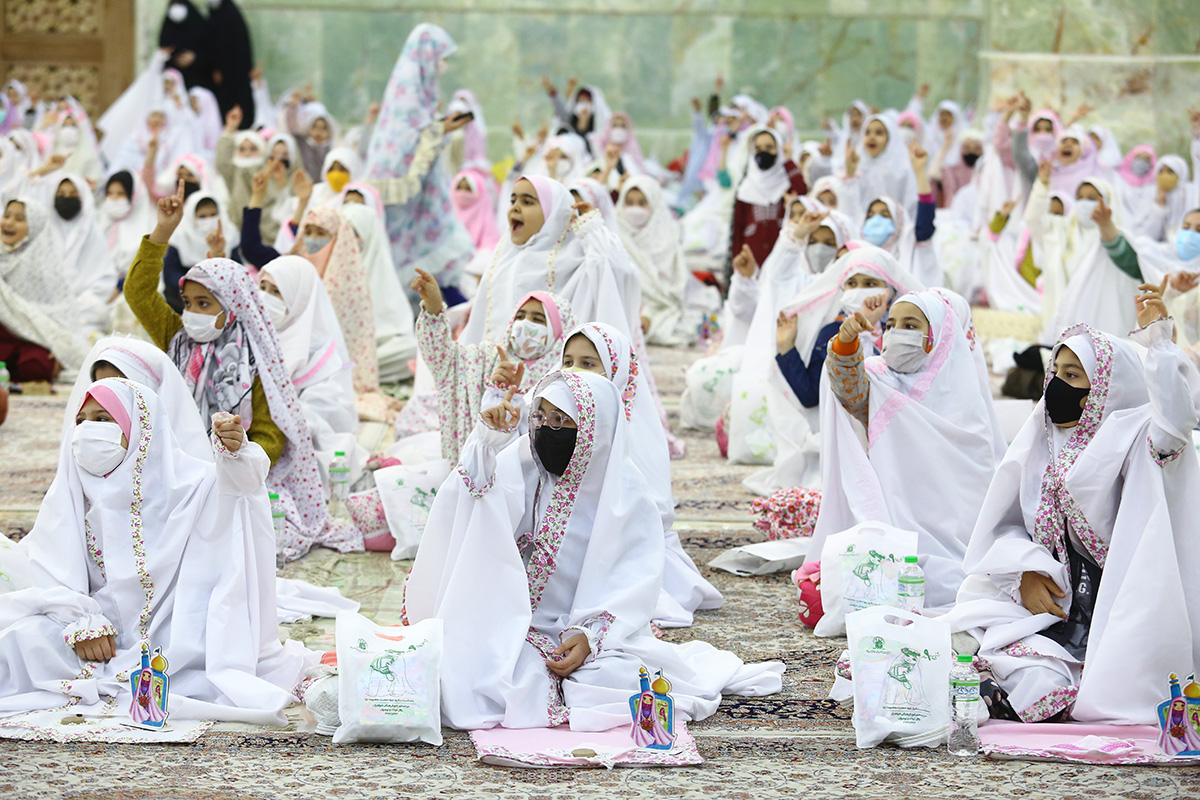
(765, 160)
(68, 207)
(189, 187)
(1062, 401)
(554, 448)
(970, 158)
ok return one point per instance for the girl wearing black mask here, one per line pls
(760, 208)
(1085, 544)
(87, 261)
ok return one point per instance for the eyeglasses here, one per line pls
(555, 419)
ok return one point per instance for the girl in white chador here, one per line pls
(1083, 584)
(138, 542)
(546, 623)
(911, 437)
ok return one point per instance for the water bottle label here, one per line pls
(964, 690)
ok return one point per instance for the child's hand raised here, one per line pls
(1150, 305)
(230, 431)
(507, 373)
(807, 224)
(102, 648)
(785, 333)
(430, 293)
(1038, 593)
(874, 308)
(170, 214)
(1184, 281)
(851, 161)
(216, 242)
(503, 417)
(583, 208)
(853, 327)
(258, 188)
(744, 263)
(574, 651)
(1044, 167)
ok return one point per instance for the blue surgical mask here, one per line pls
(1187, 244)
(878, 230)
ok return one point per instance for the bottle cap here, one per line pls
(272, 495)
(965, 658)
(3, 365)
(910, 559)
(339, 452)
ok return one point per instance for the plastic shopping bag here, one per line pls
(859, 569)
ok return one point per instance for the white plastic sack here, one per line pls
(709, 383)
(859, 568)
(407, 493)
(388, 681)
(763, 558)
(900, 667)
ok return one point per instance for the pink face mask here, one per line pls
(463, 198)
(1042, 144)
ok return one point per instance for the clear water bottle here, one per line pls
(5, 378)
(911, 594)
(278, 516)
(964, 708)
(339, 479)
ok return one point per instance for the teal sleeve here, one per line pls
(1124, 256)
(724, 179)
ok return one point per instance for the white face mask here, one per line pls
(619, 135)
(904, 351)
(1083, 213)
(248, 162)
(529, 339)
(820, 256)
(177, 13)
(563, 168)
(206, 225)
(69, 136)
(117, 207)
(852, 299)
(909, 135)
(200, 327)
(440, 67)
(276, 309)
(96, 447)
(637, 216)
(582, 107)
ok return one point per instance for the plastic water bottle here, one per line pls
(278, 516)
(5, 378)
(964, 708)
(911, 596)
(339, 479)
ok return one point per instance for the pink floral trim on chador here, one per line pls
(1021, 648)
(557, 712)
(548, 539)
(1162, 458)
(603, 621)
(629, 393)
(94, 548)
(1049, 705)
(898, 399)
(474, 491)
(1056, 504)
(135, 513)
(87, 634)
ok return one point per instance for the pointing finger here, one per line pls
(512, 390)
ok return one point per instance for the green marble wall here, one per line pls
(652, 56)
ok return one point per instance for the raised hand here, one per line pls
(1150, 305)
(1184, 281)
(431, 295)
(923, 91)
(258, 188)
(170, 214)
(1102, 215)
(373, 112)
(1038, 593)
(1044, 167)
(854, 326)
(233, 119)
(826, 148)
(503, 417)
(548, 86)
(216, 241)
(583, 207)
(808, 223)
(744, 263)
(918, 157)
(785, 332)
(851, 161)
(874, 308)
(231, 432)
(517, 130)
(571, 84)
(507, 373)
(1007, 209)
(696, 105)
(612, 154)
(302, 185)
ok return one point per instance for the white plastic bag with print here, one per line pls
(407, 493)
(388, 681)
(859, 569)
(709, 383)
(900, 667)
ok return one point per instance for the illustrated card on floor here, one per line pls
(150, 688)
(1179, 719)
(653, 711)
(544, 748)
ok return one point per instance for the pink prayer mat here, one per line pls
(561, 747)
(1078, 742)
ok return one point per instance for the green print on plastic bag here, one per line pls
(423, 499)
(901, 688)
(389, 689)
(760, 441)
(870, 580)
(710, 385)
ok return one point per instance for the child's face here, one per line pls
(115, 191)
(156, 121)
(66, 189)
(765, 143)
(634, 197)
(464, 185)
(267, 286)
(864, 282)
(907, 317)
(525, 215)
(186, 175)
(875, 138)
(319, 132)
(92, 411)
(279, 154)
(532, 310)
(247, 148)
(1069, 151)
(1056, 207)
(1043, 125)
(795, 212)
(555, 414)
(582, 355)
(1087, 192)
(14, 227)
(355, 197)
(879, 209)
(856, 118)
(828, 198)
(945, 119)
(103, 369)
(823, 235)
(1068, 367)
(198, 299)
(972, 147)
(1191, 222)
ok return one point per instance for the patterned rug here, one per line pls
(796, 743)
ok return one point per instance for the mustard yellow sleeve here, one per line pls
(141, 292)
(998, 223)
(263, 430)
